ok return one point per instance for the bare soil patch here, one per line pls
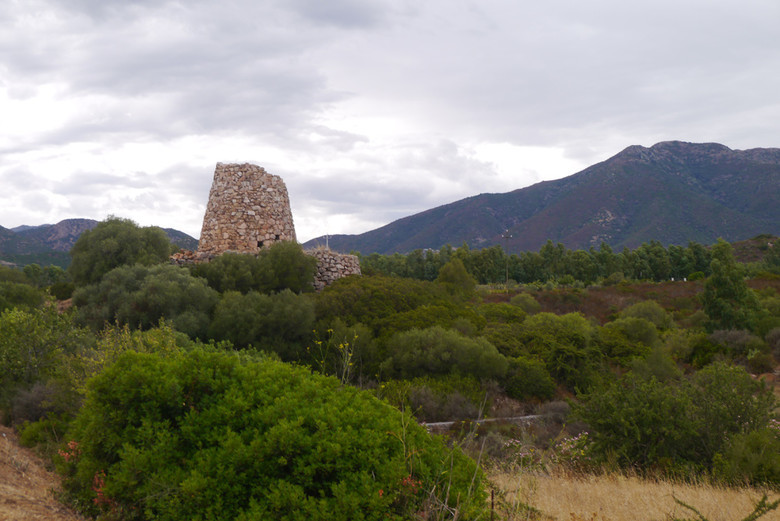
(27, 488)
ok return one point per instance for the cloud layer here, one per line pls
(370, 111)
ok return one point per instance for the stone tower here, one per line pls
(248, 208)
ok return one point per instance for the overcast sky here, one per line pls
(370, 110)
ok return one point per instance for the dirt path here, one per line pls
(26, 487)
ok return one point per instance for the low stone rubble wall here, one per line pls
(331, 265)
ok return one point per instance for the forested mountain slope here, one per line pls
(673, 192)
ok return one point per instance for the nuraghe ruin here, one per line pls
(249, 209)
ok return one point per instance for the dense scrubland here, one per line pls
(230, 390)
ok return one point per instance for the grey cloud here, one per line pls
(423, 176)
(342, 13)
(234, 68)
(535, 67)
(292, 76)
(15, 178)
(86, 183)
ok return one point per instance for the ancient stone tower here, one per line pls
(248, 208)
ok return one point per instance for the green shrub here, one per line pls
(18, 294)
(618, 347)
(433, 399)
(645, 422)
(230, 272)
(638, 422)
(370, 299)
(445, 314)
(502, 312)
(658, 364)
(62, 290)
(281, 322)
(752, 457)
(636, 330)
(281, 266)
(285, 266)
(614, 278)
(738, 343)
(13, 275)
(116, 242)
(528, 378)
(506, 338)
(526, 302)
(651, 311)
(728, 402)
(34, 345)
(205, 435)
(703, 351)
(439, 351)
(565, 343)
(456, 278)
(140, 296)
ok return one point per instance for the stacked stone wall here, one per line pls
(332, 266)
(248, 209)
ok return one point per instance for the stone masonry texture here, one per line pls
(332, 266)
(248, 208)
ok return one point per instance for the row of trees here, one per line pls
(650, 261)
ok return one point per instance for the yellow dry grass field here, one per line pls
(615, 497)
(26, 487)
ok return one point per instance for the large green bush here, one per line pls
(528, 379)
(210, 435)
(649, 310)
(286, 266)
(456, 279)
(281, 322)
(644, 422)
(17, 294)
(637, 330)
(753, 457)
(281, 266)
(566, 344)
(439, 351)
(140, 296)
(33, 347)
(230, 272)
(371, 299)
(116, 242)
(445, 314)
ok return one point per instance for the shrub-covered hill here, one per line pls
(156, 369)
(672, 192)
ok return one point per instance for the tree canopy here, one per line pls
(116, 242)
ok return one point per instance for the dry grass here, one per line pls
(615, 497)
(26, 487)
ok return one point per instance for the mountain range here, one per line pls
(673, 192)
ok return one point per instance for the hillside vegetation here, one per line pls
(232, 389)
(672, 192)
